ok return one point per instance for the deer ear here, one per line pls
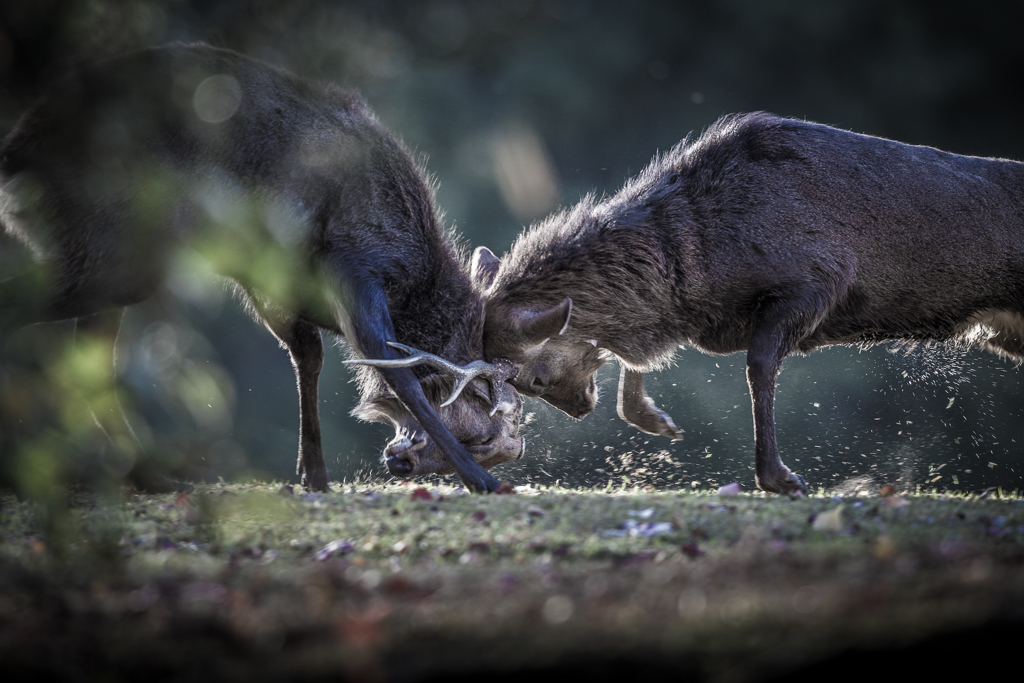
(535, 328)
(484, 267)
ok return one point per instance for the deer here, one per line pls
(767, 235)
(293, 192)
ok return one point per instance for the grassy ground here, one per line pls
(398, 582)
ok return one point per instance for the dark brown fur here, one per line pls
(764, 235)
(116, 169)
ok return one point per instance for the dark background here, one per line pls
(570, 96)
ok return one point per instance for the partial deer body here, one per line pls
(291, 189)
(765, 235)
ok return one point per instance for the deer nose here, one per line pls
(399, 466)
(401, 455)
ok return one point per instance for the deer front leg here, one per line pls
(639, 410)
(306, 349)
(307, 353)
(772, 340)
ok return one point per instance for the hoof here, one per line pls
(786, 483)
(801, 486)
(315, 481)
(654, 420)
(484, 484)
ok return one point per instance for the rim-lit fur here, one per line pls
(770, 236)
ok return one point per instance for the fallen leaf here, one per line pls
(420, 494)
(832, 520)
(633, 528)
(651, 529)
(339, 547)
(729, 490)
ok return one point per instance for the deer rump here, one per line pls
(291, 189)
(769, 236)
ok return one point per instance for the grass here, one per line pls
(400, 582)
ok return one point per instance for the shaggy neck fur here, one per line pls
(618, 259)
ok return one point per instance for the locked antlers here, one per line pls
(500, 370)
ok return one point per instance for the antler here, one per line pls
(498, 371)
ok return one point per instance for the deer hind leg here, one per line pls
(302, 340)
(306, 349)
(781, 323)
(639, 410)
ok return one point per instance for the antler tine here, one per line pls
(503, 370)
(463, 374)
(416, 357)
(495, 373)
